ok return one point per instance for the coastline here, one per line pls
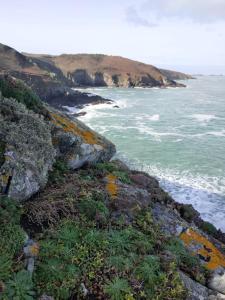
(78, 209)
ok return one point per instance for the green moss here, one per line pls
(16, 89)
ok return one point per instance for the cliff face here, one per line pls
(47, 74)
(45, 79)
(173, 75)
(91, 228)
(104, 70)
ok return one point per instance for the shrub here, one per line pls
(57, 175)
(13, 88)
(208, 228)
(93, 208)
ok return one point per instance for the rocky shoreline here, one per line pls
(76, 224)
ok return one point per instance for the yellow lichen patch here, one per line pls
(111, 186)
(34, 249)
(213, 257)
(69, 126)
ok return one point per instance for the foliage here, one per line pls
(20, 287)
(11, 236)
(112, 168)
(12, 88)
(208, 228)
(111, 258)
(183, 257)
(117, 289)
(93, 208)
(57, 175)
(149, 270)
(122, 176)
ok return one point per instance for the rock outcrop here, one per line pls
(28, 154)
(31, 143)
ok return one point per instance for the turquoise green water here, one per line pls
(177, 135)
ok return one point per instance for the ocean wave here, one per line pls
(205, 193)
(155, 117)
(203, 118)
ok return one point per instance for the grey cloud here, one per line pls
(133, 16)
(201, 11)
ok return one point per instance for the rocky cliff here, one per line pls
(75, 225)
(54, 76)
(46, 80)
(173, 75)
(104, 70)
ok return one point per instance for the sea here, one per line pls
(174, 134)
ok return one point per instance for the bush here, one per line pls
(16, 89)
(208, 228)
(57, 175)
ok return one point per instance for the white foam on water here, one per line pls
(155, 117)
(205, 193)
(71, 109)
(203, 118)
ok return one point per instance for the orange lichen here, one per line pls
(34, 249)
(111, 186)
(69, 126)
(213, 257)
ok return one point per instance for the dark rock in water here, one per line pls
(116, 106)
(80, 114)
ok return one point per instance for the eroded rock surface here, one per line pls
(32, 142)
(29, 153)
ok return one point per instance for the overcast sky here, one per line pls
(188, 35)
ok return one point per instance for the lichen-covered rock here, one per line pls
(29, 144)
(196, 291)
(217, 280)
(28, 154)
(125, 199)
(77, 144)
